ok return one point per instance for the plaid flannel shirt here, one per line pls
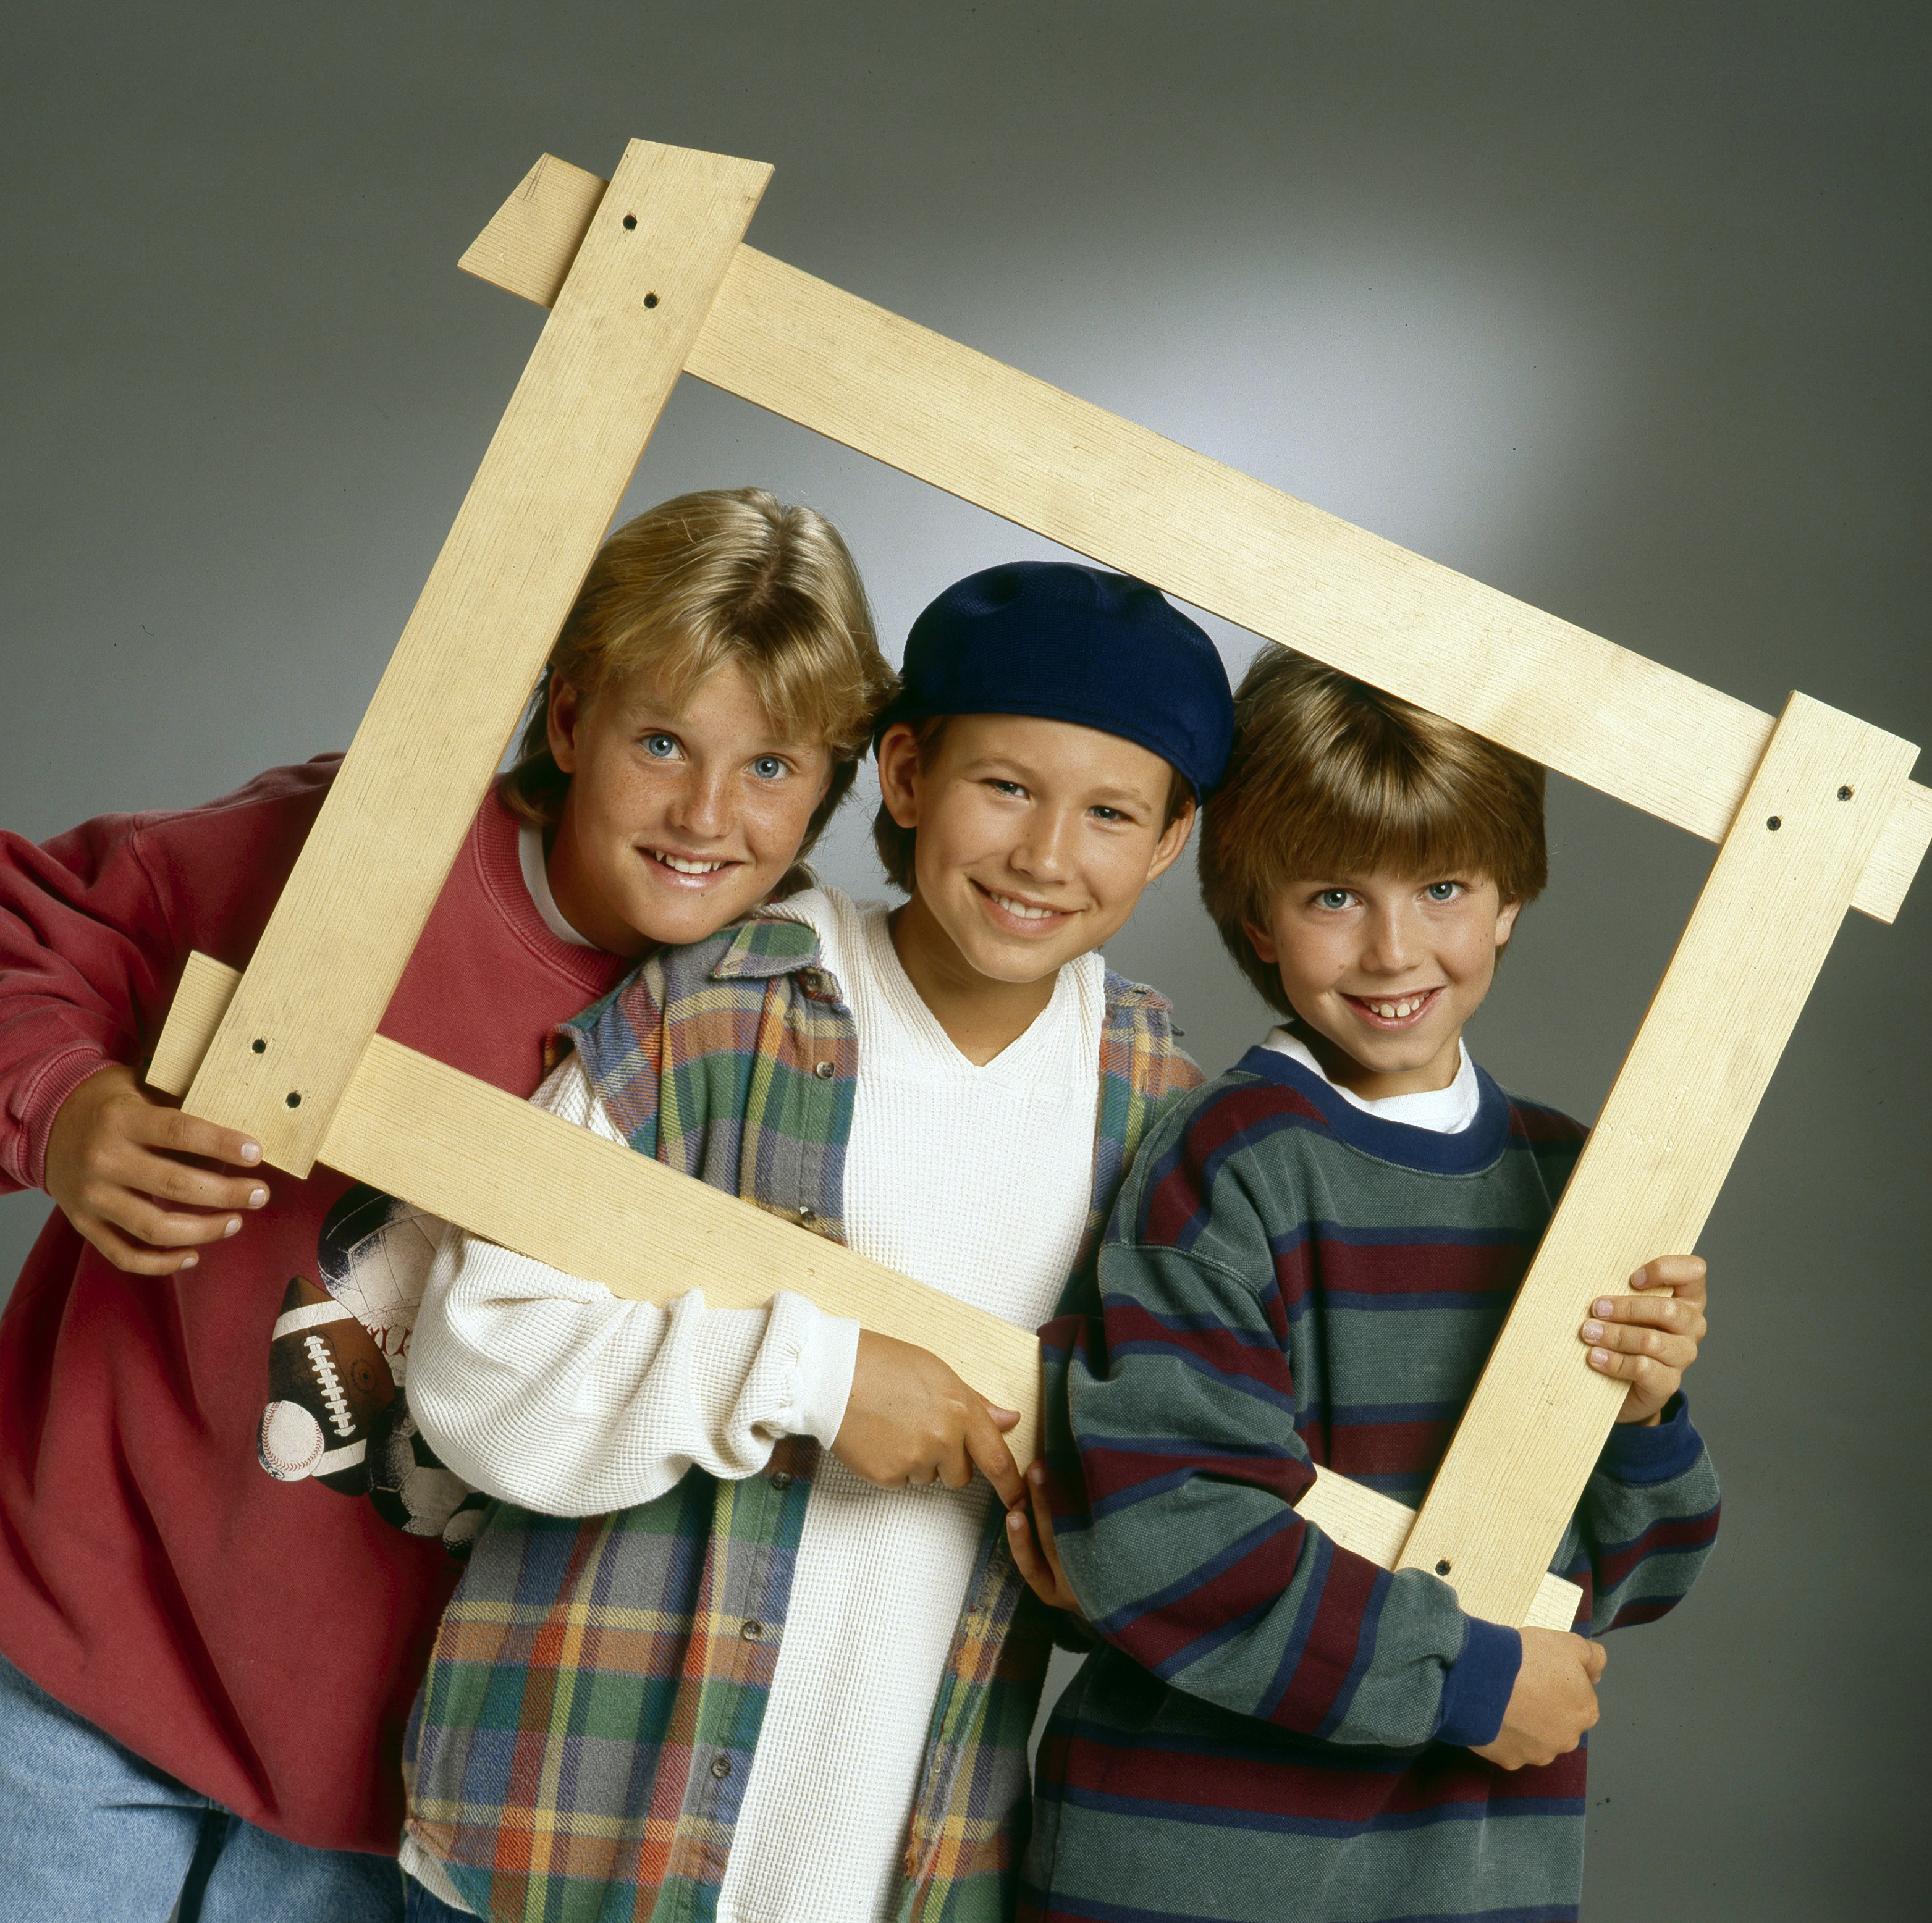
(583, 1738)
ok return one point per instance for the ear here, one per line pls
(900, 785)
(566, 711)
(1173, 839)
(1506, 921)
(1262, 943)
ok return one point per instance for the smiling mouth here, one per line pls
(1022, 917)
(1394, 1011)
(688, 868)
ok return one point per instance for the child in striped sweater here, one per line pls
(1309, 1264)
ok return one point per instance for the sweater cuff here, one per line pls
(44, 1101)
(828, 1352)
(1637, 1455)
(1476, 1692)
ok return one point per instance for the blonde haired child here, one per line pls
(206, 1671)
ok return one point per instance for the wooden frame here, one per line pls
(1815, 812)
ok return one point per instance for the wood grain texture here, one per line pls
(619, 334)
(415, 1128)
(1661, 1149)
(1135, 501)
(532, 238)
(1376, 1526)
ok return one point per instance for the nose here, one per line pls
(701, 807)
(1391, 944)
(1044, 850)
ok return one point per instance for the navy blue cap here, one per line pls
(1072, 643)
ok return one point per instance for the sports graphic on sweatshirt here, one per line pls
(337, 1357)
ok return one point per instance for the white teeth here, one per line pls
(1020, 908)
(1398, 1011)
(679, 866)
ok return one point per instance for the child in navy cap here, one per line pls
(793, 1676)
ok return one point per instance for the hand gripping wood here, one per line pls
(626, 316)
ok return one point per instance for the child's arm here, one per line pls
(1174, 1410)
(551, 1393)
(95, 928)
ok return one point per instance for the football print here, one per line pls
(373, 1256)
(327, 1381)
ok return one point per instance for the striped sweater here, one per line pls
(1274, 1728)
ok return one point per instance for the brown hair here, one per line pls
(1330, 777)
(896, 844)
(729, 574)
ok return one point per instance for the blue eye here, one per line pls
(1333, 898)
(1443, 891)
(659, 747)
(768, 767)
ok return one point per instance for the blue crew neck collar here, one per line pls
(1467, 1152)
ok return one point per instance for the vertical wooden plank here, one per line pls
(1658, 1154)
(637, 294)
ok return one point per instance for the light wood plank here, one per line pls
(342, 929)
(415, 1128)
(532, 238)
(1132, 499)
(1659, 1152)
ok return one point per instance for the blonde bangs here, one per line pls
(727, 575)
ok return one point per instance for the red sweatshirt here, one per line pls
(260, 1640)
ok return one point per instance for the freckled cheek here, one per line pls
(774, 826)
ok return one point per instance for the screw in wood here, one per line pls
(1442, 1567)
(1774, 823)
(260, 1047)
(1844, 794)
(294, 1100)
(630, 220)
(650, 300)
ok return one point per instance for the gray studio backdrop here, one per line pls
(1621, 311)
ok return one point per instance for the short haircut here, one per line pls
(730, 574)
(897, 846)
(1330, 777)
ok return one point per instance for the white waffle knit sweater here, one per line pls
(975, 1179)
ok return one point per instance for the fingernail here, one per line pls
(1015, 1520)
(1036, 1475)
(251, 1151)
(1636, 1278)
(256, 1197)
(1592, 1331)
(1603, 1307)
(189, 1261)
(232, 1226)
(1601, 1357)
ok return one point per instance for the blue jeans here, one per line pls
(424, 1905)
(90, 1834)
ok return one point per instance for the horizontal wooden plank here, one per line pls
(418, 1129)
(423, 757)
(1133, 500)
(1660, 1151)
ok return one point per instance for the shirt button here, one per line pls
(721, 1767)
(752, 1631)
(780, 1480)
(825, 1071)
